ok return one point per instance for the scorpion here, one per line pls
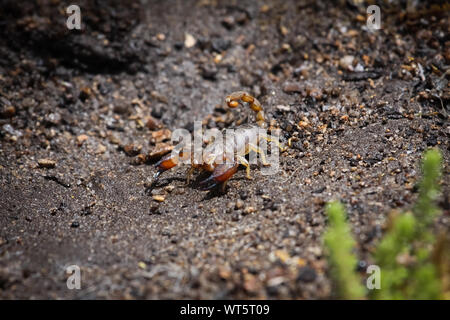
(223, 159)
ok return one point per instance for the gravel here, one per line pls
(76, 98)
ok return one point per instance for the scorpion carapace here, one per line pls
(223, 157)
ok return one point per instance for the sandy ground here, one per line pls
(80, 112)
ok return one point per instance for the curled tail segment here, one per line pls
(236, 98)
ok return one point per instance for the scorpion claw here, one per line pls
(154, 181)
(167, 162)
(208, 184)
(156, 175)
(220, 175)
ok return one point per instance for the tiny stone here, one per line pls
(160, 97)
(161, 135)
(81, 139)
(292, 87)
(121, 108)
(249, 210)
(264, 8)
(159, 198)
(160, 36)
(346, 62)
(283, 108)
(169, 188)
(152, 123)
(189, 41)
(46, 163)
(306, 274)
(100, 149)
(132, 149)
(228, 22)
(7, 112)
(284, 31)
(159, 150)
(75, 224)
(235, 217)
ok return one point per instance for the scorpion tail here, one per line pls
(236, 98)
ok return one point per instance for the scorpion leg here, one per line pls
(189, 174)
(257, 149)
(245, 163)
(220, 174)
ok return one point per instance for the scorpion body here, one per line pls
(222, 158)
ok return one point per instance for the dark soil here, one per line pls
(73, 190)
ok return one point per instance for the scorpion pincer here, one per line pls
(222, 158)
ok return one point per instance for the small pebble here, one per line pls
(75, 224)
(152, 123)
(236, 216)
(292, 87)
(189, 41)
(7, 112)
(46, 163)
(264, 8)
(239, 204)
(160, 150)
(249, 210)
(161, 37)
(132, 149)
(306, 274)
(159, 198)
(161, 135)
(81, 139)
(169, 188)
(100, 149)
(228, 22)
(346, 62)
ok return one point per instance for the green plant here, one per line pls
(407, 272)
(425, 209)
(340, 243)
(404, 253)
